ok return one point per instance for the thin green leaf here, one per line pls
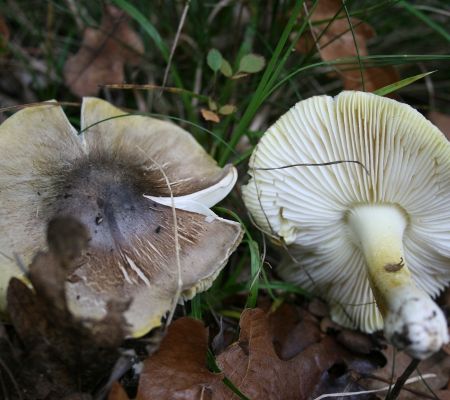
(196, 307)
(369, 61)
(419, 14)
(400, 84)
(145, 24)
(212, 105)
(227, 109)
(212, 365)
(214, 59)
(255, 270)
(252, 63)
(257, 98)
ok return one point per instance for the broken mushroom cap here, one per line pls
(372, 238)
(102, 177)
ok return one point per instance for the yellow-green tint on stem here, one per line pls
(378, 231)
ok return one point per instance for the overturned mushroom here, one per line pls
(359, 235)
(102, 178)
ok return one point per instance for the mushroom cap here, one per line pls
(101, 177)
(408, 165)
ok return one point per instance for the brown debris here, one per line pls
(61, 353)
(117, 392)
(355, 341)
(178, 368)
(438, 364)
(103, 54)
(254, 367)
(293, 330)
(209, 115)
(338, 42)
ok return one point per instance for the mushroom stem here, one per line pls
(412, 321)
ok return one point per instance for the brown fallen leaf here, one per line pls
(209, 115)
(178, 369)
(443, 394)
(254, 367)
(103, 54)
(338, 42)
(293, 330)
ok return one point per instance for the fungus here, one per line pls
(102, 177)
(372, 238)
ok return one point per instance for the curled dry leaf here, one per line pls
(103, 54)
(209, 115)
(338, 42)
(178, 369)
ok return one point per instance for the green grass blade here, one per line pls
(369, 61)
(422, 16)
(212, 365)
(255, 260)
(145, 24)
(255, 270)
(196, 307)
(258, 96)
(149, 28)
(400, 84)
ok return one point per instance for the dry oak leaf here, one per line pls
(103, 54)
(254, 367)
(338, 42)
(178, 369)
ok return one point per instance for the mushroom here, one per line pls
(370, 232)
(138, 248)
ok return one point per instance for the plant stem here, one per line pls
(402, 379)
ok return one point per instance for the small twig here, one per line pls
(402, 379)
(383, 389)
(40, 103)
(324, 164)
(175, 42)
(176, 240)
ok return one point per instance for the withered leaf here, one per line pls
(209, 115)
(103, 54)
(293, 329)
(254, 367)
(178, 369)
(338, 41)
